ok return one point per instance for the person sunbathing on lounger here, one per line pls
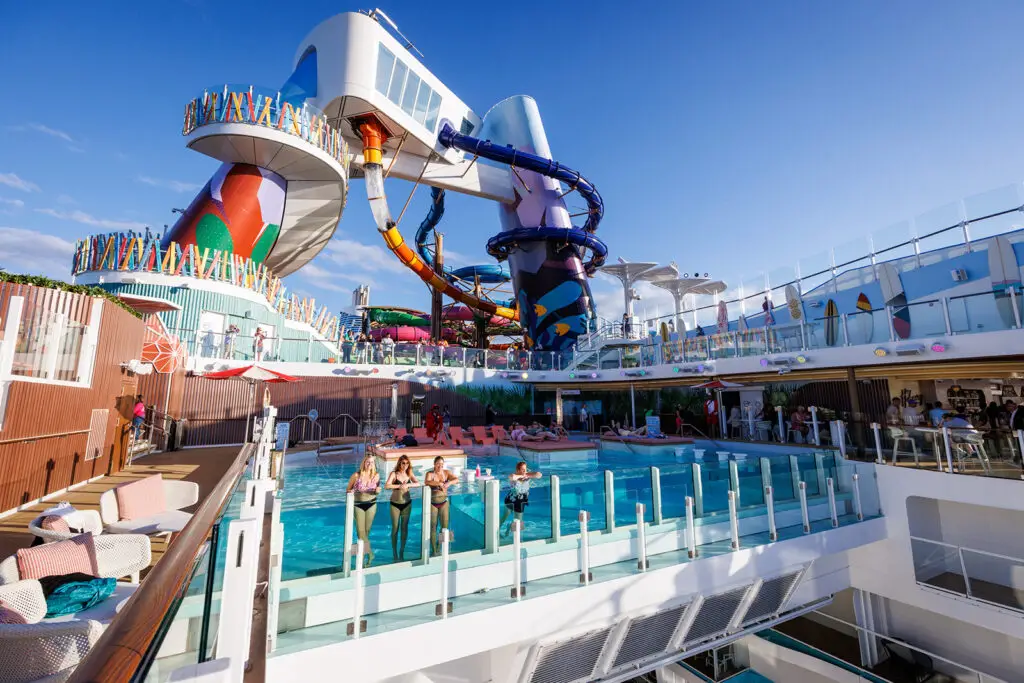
(519, 433)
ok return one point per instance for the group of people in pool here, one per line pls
(366, 486)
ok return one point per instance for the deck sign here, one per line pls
(653, 426)
(313, 414)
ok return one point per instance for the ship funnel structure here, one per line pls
(544, 250)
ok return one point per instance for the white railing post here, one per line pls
(358, 624)
(425, 526)
(609, 500)
(691, 533)
(641, 539)
(877, 429)
(766, 472)
(769, 502)
(832, 502)
(814, 425)
(656, 496)
(888, 318)
(585, 575)
(492, 516)
(698, 490)
(949, 448)
(556, 508)
(846, 331)
(734, 524)
(517, 560)
(734, 479)
(1020, 442)
(945, 315)
(857, 507)
(445, 606)
(803, 508)
(782, 425)
(1013, 305)
(350, 508)
(841, 428)
(963, 568)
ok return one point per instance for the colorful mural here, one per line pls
(239, 211)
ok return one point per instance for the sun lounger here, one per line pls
(480, 434)
(460, 438)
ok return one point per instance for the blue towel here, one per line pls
(76, 596)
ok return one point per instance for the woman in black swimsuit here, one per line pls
(438, 479)
(399, 481)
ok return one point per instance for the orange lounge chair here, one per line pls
(421, 435)
(400, 432)
(480, 434)
(459, 438)
(499, 433)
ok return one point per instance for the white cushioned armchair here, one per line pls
(50, 649)
(88, 521)
(177, 495)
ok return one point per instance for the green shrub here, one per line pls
(40, 281)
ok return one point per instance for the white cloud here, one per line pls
(351, 255)
(87, 219)
(32, 253)
(45, 130)
(328, 279)
(16, 203)
(610, 303)
(65, 199)
(12, 180)
(173, 185)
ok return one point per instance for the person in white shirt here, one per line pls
(911, 416)
(892, 414)
(389, 348)
(583, 419)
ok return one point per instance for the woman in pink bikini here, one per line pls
(366, 485)
(438, 479)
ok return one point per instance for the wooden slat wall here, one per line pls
(835, 395)
(32, 469)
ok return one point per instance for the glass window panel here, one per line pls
(385, 65)
(422, 100)
(432, 109)
(411, 87)
(994, 201)
(397, 82)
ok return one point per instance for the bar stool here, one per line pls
(967, 445)
(899, 435)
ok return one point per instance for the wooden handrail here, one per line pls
(44, 436)
(122, 649)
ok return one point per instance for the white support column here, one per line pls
(609, 500)
(782, 425)
(234, 629)
(803, 508)
(358, 624)
(691, 533)
(870, 654)
(832, 503)
(585, 575)
(814, 423)
(641, 538)
(492, 515)
(698, 491)
(1014, 306)
(425, 526)
(734, 525)
(556, 508)
(858, 508)
(877, 430)
(350, 525)
(444, 606)
(656, 518)
(769, 504)
(945, 315)
(518, 590)
(842, 437)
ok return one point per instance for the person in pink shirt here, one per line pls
(138, 415)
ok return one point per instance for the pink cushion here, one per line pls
(55, 523)
(141, 498)
(74, 555)
(9, 615)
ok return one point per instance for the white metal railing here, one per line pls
(969, 564)
(980, 676)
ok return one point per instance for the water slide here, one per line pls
(540, 243)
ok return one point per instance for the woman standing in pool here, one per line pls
(366, 485)
(518, 496)
(438, 479)
(399, 481)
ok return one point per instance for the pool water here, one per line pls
(313, 500)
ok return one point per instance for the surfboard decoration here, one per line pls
(831, 323)
(793, 301)
(1005, 274)
(892, 292)
(741, 323)
(861, 324)
(723, 318)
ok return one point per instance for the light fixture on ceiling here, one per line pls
(881, 353)
(912, 350)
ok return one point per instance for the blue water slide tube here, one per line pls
(504, 242)
(489, 273)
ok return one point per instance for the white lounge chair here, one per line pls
(177, 494)
(50, 649)
(88, 521)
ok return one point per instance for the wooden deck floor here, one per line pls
(205, 466)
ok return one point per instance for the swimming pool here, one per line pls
(313, 499)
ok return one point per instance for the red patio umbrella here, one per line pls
(717, 384)
(252, 374)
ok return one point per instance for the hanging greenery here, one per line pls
(40, 281)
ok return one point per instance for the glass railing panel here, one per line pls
(177, 651)
(982, 312)
(672, 352)
(582, 494)
(781, 478)
(676, 485)
(751, 483)
(632, 486)
(715, 485)
(751, 341)
(696, 349)
(723, 345)
(994, 578)
(926, 319)
(535, 512)
(995, 201)
(815, 272)
(868, 327)
(785, 338)
(824, 331)
(807, 470)
(894, 241)
(465, 516)
(938, 565)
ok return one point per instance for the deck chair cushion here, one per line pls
(142, 498)
(75, 555)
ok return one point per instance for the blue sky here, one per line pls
(733, 137)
